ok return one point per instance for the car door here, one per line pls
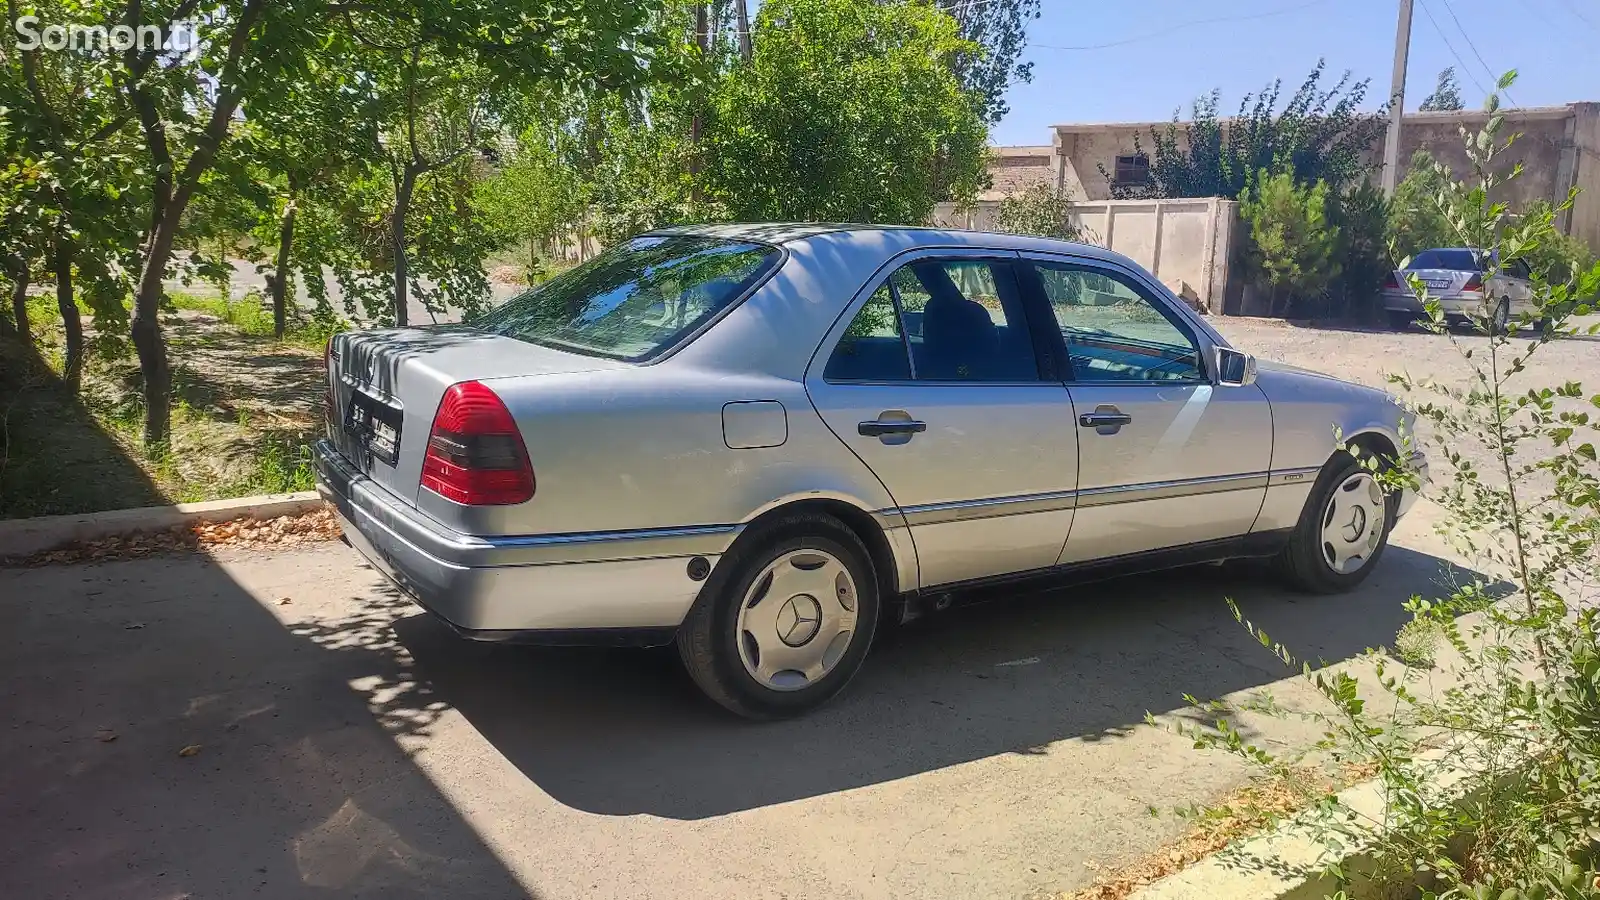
(1519, 286)
(1166, 457)
(933, 378)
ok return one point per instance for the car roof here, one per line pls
(786, 233)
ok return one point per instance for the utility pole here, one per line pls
(1397, 99)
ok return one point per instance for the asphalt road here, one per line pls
(350, 746)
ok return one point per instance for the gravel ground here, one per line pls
(1367, 356)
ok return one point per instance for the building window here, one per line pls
(1133, 169)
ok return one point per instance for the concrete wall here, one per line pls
(1559, 149)
(1182, 242)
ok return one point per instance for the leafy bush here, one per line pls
(1041, 211)
(1293, 246)
(1321, 135)
(1362, 218)
(1416, 221)
(1512, 716)
(1560, 256)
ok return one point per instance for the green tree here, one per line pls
(1038, 210)
(1293, 245)
(846, 112)
(1446, 96)
(1416, 220)
(999, 28)
(1320, 135)
(536, 197)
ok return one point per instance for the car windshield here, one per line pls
(636, 299)
(1453, 260)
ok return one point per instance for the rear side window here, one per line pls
(873, 348)
(1452, 260)
(939, 320)
(637, 299)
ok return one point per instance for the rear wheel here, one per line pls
(1342, 530)
(1401, 321)
(786, 619)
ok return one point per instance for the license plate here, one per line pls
(375, 425)
(1438, 283)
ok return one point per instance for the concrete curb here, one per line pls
(1289, 863)
(24, 537)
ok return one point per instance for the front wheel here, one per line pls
(1342, 530)
(786, 619)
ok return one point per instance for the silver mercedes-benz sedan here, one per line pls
(764, 442)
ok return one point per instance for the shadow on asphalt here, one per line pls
(624, 732)
(294, 789)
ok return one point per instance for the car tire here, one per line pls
(1334, 547)
(734, 639)
(1401, 321)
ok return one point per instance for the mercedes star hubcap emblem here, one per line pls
(1358, 524)
(799, 620)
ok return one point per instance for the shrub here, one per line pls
(1041, 211)
(1293, 246)
(1514, 713)
(1362, 218)
(1415, 220)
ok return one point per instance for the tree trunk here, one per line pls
(280, 279)
(61, 259)
(402, 206)
(19, 304)
(147, 338)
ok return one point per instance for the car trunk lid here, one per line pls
(385, 387)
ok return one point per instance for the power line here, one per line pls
(1574, 10)
(1493, 75)
(1451, 47)
(1182, 25)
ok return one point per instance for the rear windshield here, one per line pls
(1454, 260)
(636, 299)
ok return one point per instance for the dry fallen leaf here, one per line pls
(245, 534)
(190, 750)
(133, 626)
(105, 735)
(285, 601)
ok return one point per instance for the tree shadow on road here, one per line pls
(292, 789)
(624, 732)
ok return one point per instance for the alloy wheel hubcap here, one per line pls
(1352, 524)
(797, 620)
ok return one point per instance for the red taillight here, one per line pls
(475, 452)
(1475, 283)
(1393, 281)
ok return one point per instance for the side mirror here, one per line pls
(1235, 368)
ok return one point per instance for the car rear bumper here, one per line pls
(1459, 304)
(603, 587)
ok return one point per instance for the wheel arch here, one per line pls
(895, 571)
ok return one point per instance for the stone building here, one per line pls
(1559, 149)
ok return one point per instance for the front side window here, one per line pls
(635, 300)
(960, 320)
(1113, 331)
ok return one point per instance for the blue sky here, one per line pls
(1170, 57)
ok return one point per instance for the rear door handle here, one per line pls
(1105, 419)
(879, 428)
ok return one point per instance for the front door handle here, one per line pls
(881, 428)
(1105, 419)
